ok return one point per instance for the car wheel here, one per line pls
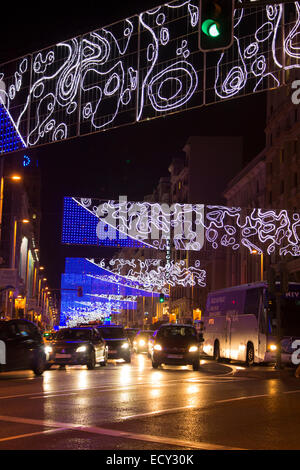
(155, 364)
(196, 365)
(127, 359)
(39, 364)
(92, 361)
(250, 355)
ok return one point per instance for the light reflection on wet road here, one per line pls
(134, 406)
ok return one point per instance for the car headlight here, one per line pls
(125, 346)
(193, 349)
(158, 347)
(81, 349)
(142, 342)
(272, 347)
(48, 349)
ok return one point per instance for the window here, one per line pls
(281, 156)
(270, 197)
(252, 301)
(8, 330)
(295, 179)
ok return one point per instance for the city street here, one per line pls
(134, 407)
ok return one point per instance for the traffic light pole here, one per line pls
(278, 364)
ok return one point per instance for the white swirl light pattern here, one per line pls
(154, 275)
(265, 230)
(143, 67)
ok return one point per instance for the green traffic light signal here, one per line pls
(161, 298)
(216, 24)
(211, 28)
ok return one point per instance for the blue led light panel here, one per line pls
(10, 140)
(80, 228)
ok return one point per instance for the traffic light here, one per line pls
(161, 298)
(79, 291)
(216, 24)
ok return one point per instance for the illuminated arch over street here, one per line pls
(190, 227)
(141, 68)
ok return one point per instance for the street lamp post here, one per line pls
(24, 221)
(15, 178)
(256, 252)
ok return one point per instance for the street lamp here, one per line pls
(260, 252)
(15, 178)
(23, 221)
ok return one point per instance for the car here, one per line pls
(77, 346)
(140, 342)
(131, 333)
(118, 344)
(175, 344)
(21, 346)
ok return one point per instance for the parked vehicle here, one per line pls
(118, 344)
(175, 344)
(21, 347)
(82, 346)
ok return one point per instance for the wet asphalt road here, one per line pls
(134, 407)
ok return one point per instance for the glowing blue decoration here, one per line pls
(104, 292)
(80, 228)
(26, 161)
(10, 138)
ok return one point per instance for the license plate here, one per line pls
(113, 351)
(63, 356)
(175, 356)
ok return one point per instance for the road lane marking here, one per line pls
(105, 388)
(38, 433)
(159, 412)
(266, 395)
(116, 433)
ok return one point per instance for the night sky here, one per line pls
(97, 165)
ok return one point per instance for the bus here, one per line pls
(240, 323)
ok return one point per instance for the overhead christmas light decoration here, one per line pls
(154, 274)
(103, 79)
(195, 227)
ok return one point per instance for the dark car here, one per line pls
(140, 342)
(77, 346)
(131, 333)
(21, 347)
(118, 344)
(175, 345)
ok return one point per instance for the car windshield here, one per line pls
(131, 333)
(77, 334)
(174, 331)
(145, 333)
(114, 333)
